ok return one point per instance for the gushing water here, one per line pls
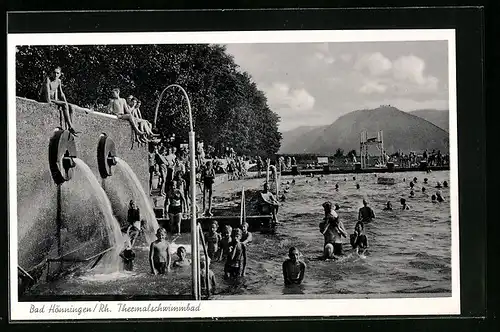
(111, 262)
(143, 200)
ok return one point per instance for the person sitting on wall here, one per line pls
(144, 125)
(51, 92)
(119, 107)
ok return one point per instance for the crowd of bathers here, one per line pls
(333, 229)
(223, 244)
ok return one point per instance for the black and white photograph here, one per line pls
(233, 174)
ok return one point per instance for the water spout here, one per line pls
(142, 200)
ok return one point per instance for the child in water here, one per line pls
(246, 236)
(213, 240)
(181, 260)
(293, 268)
(358, 239)
(128, 256)
(237, 258)
(225, 242)
(404, 206)
(212, 284)
(388, 207)
(159, 253)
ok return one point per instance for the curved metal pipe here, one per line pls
(188, 103)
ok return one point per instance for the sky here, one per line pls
(309, 84)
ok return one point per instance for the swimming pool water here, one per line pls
(409, 251)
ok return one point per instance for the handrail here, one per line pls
(62, 259)
(25, 273)
(207, 265)
(242, 206)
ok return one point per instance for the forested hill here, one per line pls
(228, 108)
(440, 118)
(402, 131)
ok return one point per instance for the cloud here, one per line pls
(346, 57)
(280, 95)
(375, 63)
(411, 69)
(321, 57)
(370, 87)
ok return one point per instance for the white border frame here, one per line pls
(238, 308)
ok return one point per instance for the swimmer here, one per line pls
(283, 197)
(345, 179)
(237, 257)
(337, 206)
(293, 268)
(212, 284)
(337, 187)
(213, 239)
(404, 179)
(412, 193)
(333, 230)
(128, 256)
(445, 184)
(225, 242)
(388, 206)
(307, 181)
(246, 236)
(423, 189)
(293, 181)
(404, 206)
(159, 253)
(359, 240)
(439, 197)
(411, 184)
(354, 178)
(365, 214)
(438, 185)
(433, 199)
(357, 186)
(425, 180)
(319, 179)
(181, 260)
(415, 179)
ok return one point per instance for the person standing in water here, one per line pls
(333, 230)
(404, 206)
(213, 239)
(388, 207)
(181, 260)
(293, 268)
(358, 239)
(246, 236)
(159, 253)
(237, 257)
(366, 214)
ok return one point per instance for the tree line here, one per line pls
(228, 108)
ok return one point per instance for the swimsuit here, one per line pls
(161, 267)
(175, 206)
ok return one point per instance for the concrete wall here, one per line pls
(36, 191)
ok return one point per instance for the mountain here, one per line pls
(440, 118)
(401, 130)
(299, 139)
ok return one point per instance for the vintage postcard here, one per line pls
(232, 174)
